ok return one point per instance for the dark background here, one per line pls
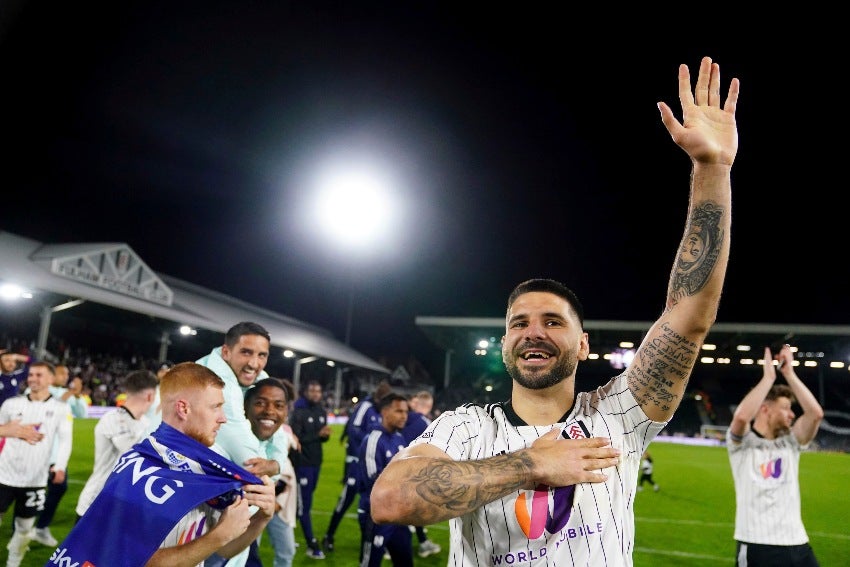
(525, 143)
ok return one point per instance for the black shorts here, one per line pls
(760, 555)
(28, 501)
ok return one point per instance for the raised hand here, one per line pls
(708, 132)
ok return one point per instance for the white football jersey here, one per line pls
(590, 524)
(767, 489)
(114, 434)
(24, 465)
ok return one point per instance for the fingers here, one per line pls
(714, 86)
(686, 97)
(602, 463)
(596, 477)
(596, 442)
(554, 434)
(769, 369)
(261, 495)
(731, 104)
(236, 516)
(707, 90)
(704, 81)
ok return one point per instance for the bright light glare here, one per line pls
(354, 206)
(12, 291)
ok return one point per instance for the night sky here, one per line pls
(522, 144)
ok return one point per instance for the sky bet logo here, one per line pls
(58, 558)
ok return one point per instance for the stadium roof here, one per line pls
(112, 274)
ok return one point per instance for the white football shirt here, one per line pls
(585, 524)
(767, 489)
(24, 465)
(114, 434)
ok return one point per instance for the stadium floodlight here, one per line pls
(356, 209)
(11, 292)
(354, 205)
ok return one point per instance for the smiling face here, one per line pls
(247, 358)
(266, 410)
(39, 380)
(543, 340)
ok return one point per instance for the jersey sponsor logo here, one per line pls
(59, 558)
(531, 554)
(193, 532)
(771, 469)
(519, 557)
(156, 489)
(536, 518)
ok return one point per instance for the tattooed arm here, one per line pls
(422, 485)
(708, 134)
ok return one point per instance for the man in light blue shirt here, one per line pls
(240, 362)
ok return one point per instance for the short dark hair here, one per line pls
(139, 380)
(254, 390)
(388, 399)
(382, 389)
(549, 286)
(780, 391)
(242, 329)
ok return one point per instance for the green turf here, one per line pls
(688, 523)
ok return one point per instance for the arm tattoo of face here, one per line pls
(698, 252)
(463, 486)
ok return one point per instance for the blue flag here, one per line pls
(151, 487)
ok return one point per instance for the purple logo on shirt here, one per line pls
(771, 469)
(534, 522)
